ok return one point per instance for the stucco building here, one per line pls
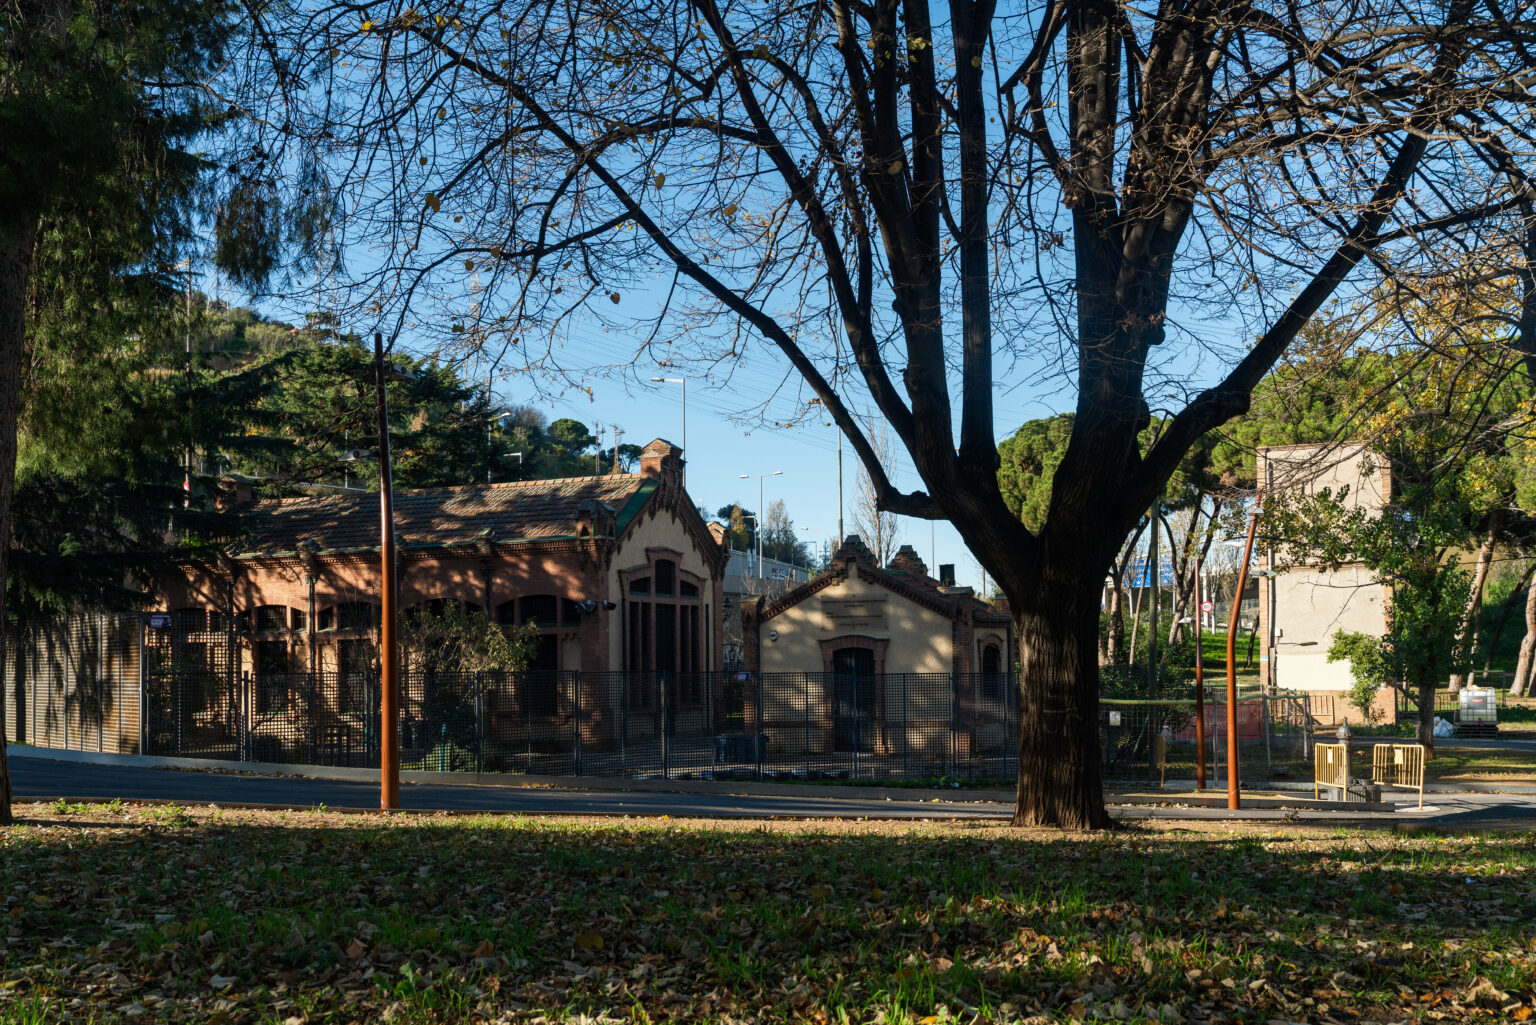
(887, 659)
(1301, 607)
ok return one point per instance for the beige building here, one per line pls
(1301, 607)
(878, 658)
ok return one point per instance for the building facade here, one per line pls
(1301, 607)
(618, 574)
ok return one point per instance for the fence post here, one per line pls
(624, 722)
(906, 724)
(805, 719)
(666, 768)
(244, 695)
(759, 732)
(479, 722)
(576, 689)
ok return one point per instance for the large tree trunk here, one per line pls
(1521, 682)
(1059, 780)
(15, 261)
(1426, 725)
(1114, 644)
(1466, 635)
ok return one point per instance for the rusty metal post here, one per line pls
(389, 660)
(1234, 799)
(1199, 683)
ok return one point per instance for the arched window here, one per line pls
(992, 680)
(269, 618)
(665, 625)
(350, 616)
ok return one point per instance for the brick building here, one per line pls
(618, 572)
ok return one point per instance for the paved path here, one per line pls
(39, 779)
(35, 779)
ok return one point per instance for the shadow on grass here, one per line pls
(328, 918)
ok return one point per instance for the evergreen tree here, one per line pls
(97, 107)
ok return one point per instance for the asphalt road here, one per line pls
(36, 779)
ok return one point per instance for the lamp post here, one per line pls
(684, 382)
(1234, 798)
(759, 476)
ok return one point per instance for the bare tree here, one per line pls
(905, 207)
(880, 529)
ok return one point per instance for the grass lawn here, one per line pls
(1480, 765)
(123, 914)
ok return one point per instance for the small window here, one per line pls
(191, 621)
(298, 617)
(506, 613)
(666, 576)
(353, 615)
(538, 608)
(271, 657)
(569, 614)
(689, 590)
(640, 586)
(270, 618)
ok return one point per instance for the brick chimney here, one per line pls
(662, 459)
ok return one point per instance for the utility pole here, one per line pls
(1234, 794)
(618, 432)
(1154, 570)
(597, 452)
(389, 667)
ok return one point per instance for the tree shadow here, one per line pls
(695, 920)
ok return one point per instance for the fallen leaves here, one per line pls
(392, 919)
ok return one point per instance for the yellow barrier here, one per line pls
(1399, 765)
(1330, 768)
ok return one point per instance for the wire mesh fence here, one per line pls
(812, 726)
(1143, 739)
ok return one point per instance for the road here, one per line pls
(37, 779)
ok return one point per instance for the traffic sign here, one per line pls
(1207, 606)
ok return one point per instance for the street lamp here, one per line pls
(684, 382)
(759, 476)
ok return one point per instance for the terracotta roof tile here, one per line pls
(442, 516)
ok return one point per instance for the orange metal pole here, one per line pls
(1199, 684)
(389, 661)
(1234, 798)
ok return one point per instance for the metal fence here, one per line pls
(1447, 703)
(815, 726)
(1274, 736)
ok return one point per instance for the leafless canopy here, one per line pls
(916, 207)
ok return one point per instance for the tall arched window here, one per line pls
(664, 626)
(992, 680)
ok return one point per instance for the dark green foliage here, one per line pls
(1367, 658)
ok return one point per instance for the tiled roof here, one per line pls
(431, 517)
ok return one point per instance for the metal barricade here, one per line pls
(1399, 765)
(1330, 768)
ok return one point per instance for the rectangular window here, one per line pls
(271, 657)
(666, 638)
